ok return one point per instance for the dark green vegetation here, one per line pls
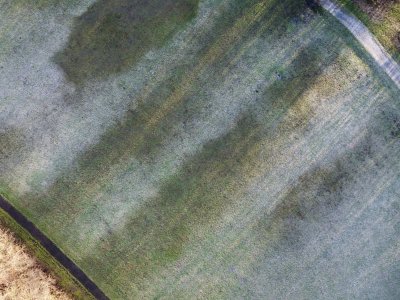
(64, 279)
(288, 88)
(112, 35)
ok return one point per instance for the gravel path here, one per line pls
(366, 38)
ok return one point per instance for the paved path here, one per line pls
(366, 38)
(52, 249)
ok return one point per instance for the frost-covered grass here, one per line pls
(228, 158)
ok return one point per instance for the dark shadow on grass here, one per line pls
(12, 146)
(133, 139)
(197, 195)
(113, 34)
(319, 193)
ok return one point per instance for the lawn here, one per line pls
(229, 149)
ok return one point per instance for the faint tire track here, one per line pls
(366, 38)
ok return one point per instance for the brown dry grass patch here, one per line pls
(21, 276)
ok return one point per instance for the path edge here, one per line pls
(48, 254)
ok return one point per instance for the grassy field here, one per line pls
(382, 18)
(229, 149)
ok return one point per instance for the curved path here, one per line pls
(366, 38)
(52, 249)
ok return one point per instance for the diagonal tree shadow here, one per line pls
(113, 35)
